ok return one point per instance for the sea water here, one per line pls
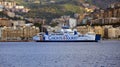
(60, 54)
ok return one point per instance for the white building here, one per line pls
(18, 23)
(1, 8)
(19, 7)
(72, 22)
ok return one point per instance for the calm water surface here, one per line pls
(60, 54)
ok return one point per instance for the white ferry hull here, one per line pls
(95, 38)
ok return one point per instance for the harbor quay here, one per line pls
(105, 53)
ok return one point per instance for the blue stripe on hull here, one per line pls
(69, 41)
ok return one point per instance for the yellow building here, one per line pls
(99, 30)
(84, 29)
(111, 33)
(5, 22)
(19, 33)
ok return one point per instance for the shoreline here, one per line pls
(15, 40)
(43, 41)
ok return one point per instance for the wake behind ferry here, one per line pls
(67, 35)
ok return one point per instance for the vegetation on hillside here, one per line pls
(52, 11)
(61, 7)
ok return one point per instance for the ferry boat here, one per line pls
(67, 35)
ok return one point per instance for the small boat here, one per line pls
(67, 35)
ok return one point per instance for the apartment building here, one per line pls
(18, 23)
(18, 33)
(1, 8)
(111, 32)
(99, 30)
(8, 4)
(5, 22)
(104, 31)
(110, 15)
(84, 29)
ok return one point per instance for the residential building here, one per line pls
(111, 33)
(65, 21)
(1, 8)
(83, 29)
(5, 22)
(18, 23)
(19, 7)
(19, 33)
(110, 15)
(8, 4)
(104, 31)
(99, 30)
(72, 23)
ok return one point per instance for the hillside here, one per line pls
(99, 3)
(53, 11)
(48, 11)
